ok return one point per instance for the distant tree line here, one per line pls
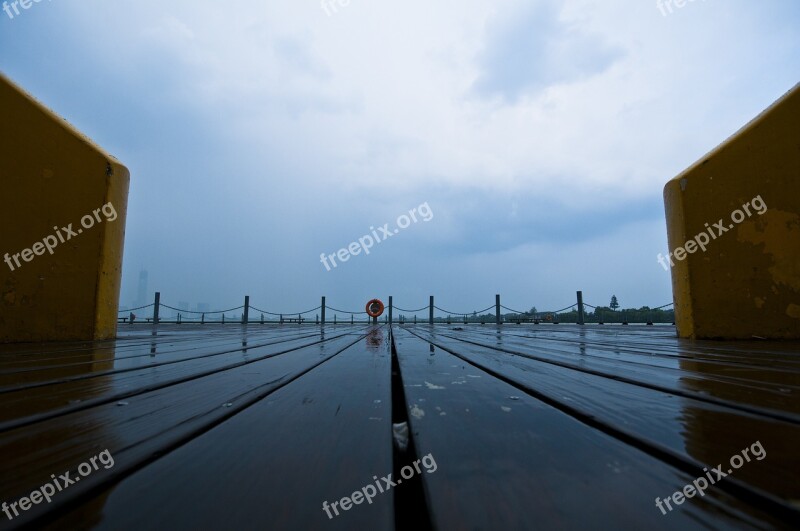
(602, 314)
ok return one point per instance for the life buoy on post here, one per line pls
(375, 308)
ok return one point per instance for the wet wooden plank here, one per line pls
(271, 466)
(29, 403)
(538, 464)
(760, 390)
(147, 424)
(649, 345)
(656, 342)
(654, 418)
(509, 461)
(18, 369)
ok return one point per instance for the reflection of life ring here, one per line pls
(375, 308)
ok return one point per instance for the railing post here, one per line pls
(390, 309)
(580, 308)
(323, 310)
(156, 307)
(246, 318)
(430, 311)
(497, 308)
(202, 318)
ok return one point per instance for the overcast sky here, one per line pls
(260, 135)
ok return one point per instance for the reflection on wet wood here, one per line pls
(530, 426)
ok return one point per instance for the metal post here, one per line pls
(430, 311)
(156, 307)
(390, 309)
(323, 310)
(352, 318)
(246, 318)
(580, 308)
(497, 308)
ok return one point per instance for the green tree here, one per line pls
(614, 304)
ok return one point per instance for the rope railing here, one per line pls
(411, 311)
(562, 309)
(342, 311)
(285, 313)
(573, 312)
(139, 308)
(202, 313)
(270, 313)
(463, 314)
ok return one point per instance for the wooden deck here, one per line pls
(524, 427)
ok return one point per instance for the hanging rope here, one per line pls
(139, 308)
(200, 313)
(399, 309)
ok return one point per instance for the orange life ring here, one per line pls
(371, 311)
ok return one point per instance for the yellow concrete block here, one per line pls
(62, 226)
(745, 198)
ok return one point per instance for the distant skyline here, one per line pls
(540, 133)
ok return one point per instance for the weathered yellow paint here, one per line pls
(53, 176)
(747, 282)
